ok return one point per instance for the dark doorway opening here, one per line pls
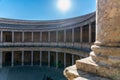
(8, 58)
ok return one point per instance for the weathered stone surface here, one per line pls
(89, 65)
(105, 58)
(108, 25)
(106, 51)
(72, 73)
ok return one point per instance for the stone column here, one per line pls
(31, 58)
(40, 36)
(107, 45)
(23, 36)
(104, 60)
(22, 58)
(64, 59)
(1, 36)
(12, 36)
(89, 32)
(32, 36)
(64, 35)
(40, 58)
(81, 34)
(12, 61)
(56, 59)
(72, 35)
(48, 36)
(56, 36)
(0, 59)
(48, 58)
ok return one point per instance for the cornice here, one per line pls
(45, 22)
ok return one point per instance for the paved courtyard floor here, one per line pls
(31, 73)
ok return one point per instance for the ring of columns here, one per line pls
(56, 43)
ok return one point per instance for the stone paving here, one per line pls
(31, 73)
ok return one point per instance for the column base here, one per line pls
(88, 65)
(72, 73)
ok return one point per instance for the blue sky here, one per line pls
(43, 9)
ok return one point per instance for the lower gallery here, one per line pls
(55, 43)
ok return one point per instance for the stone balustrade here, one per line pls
(86, 46)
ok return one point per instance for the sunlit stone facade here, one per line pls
(55, 43)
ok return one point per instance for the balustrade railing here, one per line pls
(50, 44)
